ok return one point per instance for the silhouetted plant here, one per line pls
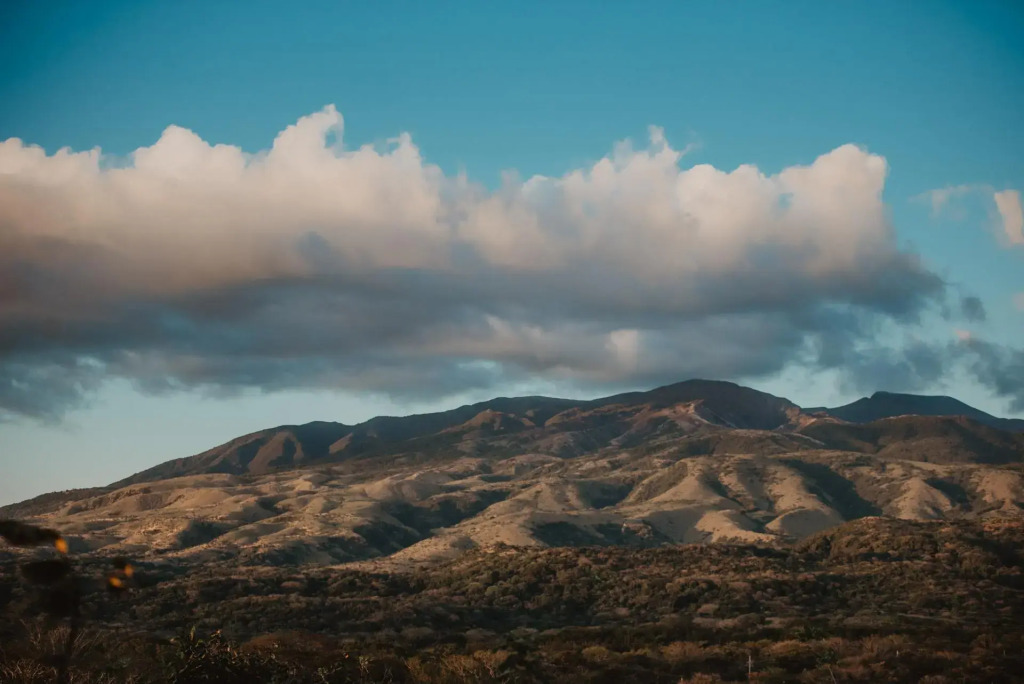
(60, 584)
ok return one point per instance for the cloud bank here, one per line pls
(312, 265)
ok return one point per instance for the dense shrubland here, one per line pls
(872, 601)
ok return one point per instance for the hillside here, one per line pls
(933, 439)
(698, 461)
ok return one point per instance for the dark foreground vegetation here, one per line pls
(872, 601)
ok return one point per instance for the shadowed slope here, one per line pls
(888, 405)
(934, 439)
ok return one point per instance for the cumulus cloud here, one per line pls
(310, 264)
(1008, 204)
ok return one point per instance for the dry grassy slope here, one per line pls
(400, 510)
(694, 462)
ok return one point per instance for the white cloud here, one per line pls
(188, 215)
(1018, 301)
(310, 262)
(941, 197)
(1008, 203)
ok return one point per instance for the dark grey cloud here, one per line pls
(416, 342)
(919, 365)
(973, 309)
(46, 386)
(911, 368)
(999, 368)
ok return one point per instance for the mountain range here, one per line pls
(696, 461)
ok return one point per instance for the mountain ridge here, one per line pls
(692, 462)
(256, 452)
(725, 403)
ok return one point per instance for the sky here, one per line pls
(219, 217)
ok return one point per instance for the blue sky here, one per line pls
(936, 89)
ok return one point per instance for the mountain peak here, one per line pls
(884, 404)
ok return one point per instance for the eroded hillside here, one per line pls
(694, 462)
